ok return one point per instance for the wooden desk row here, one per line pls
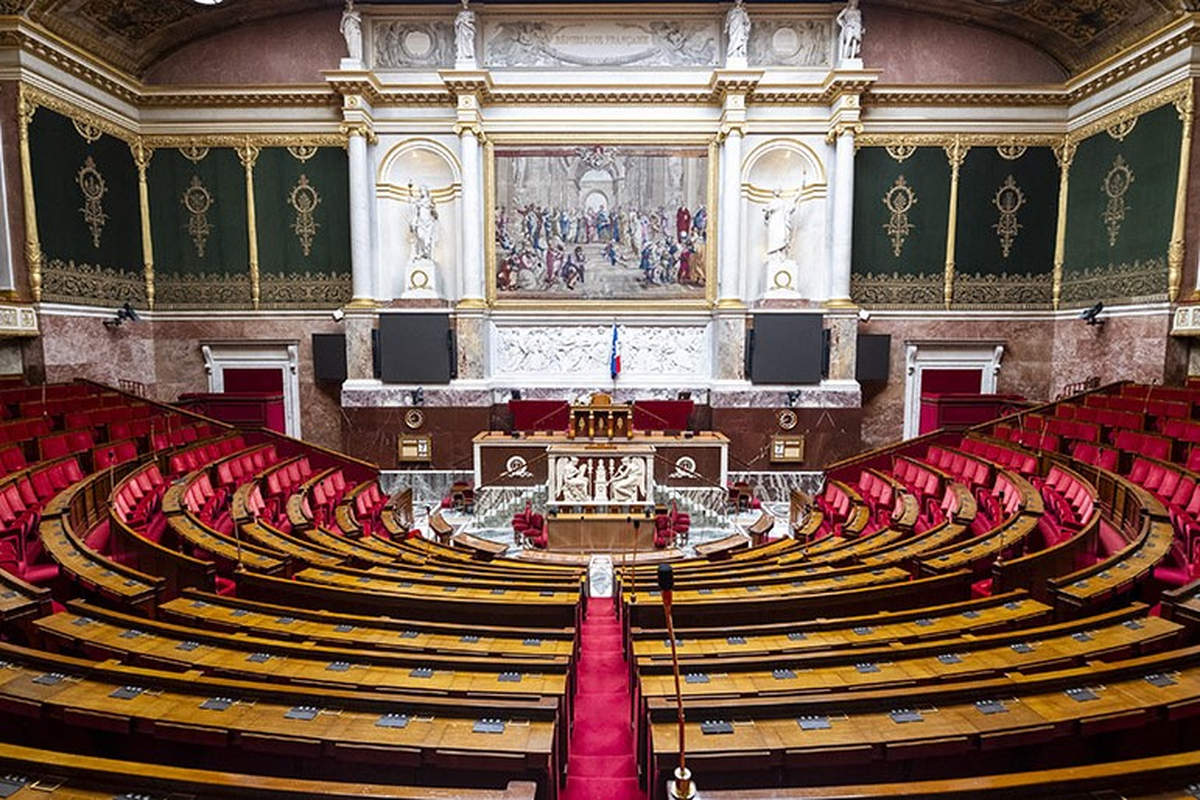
(418, 739)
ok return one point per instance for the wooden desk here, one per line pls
(725, 546)
(599, 533)
(478, 547)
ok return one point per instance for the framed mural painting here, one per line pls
(601, 222)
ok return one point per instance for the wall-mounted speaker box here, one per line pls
(786, 348)
(416, 348)
(874, 356)
(329, 356)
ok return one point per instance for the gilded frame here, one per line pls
(489, 222)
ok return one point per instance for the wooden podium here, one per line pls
(602, 418)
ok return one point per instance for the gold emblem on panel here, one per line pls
(1008, 201)
(197, 200)
(304, 201)
(899, 201)
(1116, 184)
(92, 184)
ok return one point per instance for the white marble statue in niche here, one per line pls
(737, 35)
(423, 224)
(351, 29)
(628, 484)
(850, 21)
(464, 37)
(779, 217)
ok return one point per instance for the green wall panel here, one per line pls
(1120, 208)
(900, 268)
(1006, 260)
(302, 208)
(198, 224)
(97, 258)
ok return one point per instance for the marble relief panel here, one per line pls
(600, 42)
(584, 351)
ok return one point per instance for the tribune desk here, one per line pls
(683, 460)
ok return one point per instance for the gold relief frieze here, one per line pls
(1118, 120)
(65, 281)
(302, 289)
(196, 143)
(84, 120)
(1003, 291)
(896, 290)
(902, 141)
(202, 290)
(1136, 282)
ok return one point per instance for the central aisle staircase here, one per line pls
(602, 765)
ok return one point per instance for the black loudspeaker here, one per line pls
(788, 349)
(329, 356)
(874, 357)
(376, 370)
(748, 353)
(415, 348)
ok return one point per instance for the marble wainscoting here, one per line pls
(76, 344)
(1026, 368)
(1124, 348)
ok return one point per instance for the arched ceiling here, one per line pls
(133, 34)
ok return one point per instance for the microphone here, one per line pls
(680, 787)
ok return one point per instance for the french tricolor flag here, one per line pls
(615, 357)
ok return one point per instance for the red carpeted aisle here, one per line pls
(601, 765)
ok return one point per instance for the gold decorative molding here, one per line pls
(26, 108)
(1116, 120)
(205, 291)
(1177, 249)
(302, 289)
(903, 141)
(67, 281)
(358, 128)
(900, 152)
(247, 153)
(956, 153)
(1064, 154)
(302, 152)
(83, 119)
(141, 159)
(198, 142)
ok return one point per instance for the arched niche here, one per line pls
(404, 168)
(791, 170)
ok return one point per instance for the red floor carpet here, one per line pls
(601, 765)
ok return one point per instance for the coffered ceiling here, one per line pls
(133, 34)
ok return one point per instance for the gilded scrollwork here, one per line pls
(217, 290)
(303, 289)
(899, 200)
(304, 200)
(1136, 282)
(1008, 201)
(198, 200)
(895, 290)
(66, 281)
(93, 187)
(1115, 184)
(1003, 291)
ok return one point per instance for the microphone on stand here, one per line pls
(680, 786)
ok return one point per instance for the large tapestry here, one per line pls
(86, 193)
(601, 222)
(1120, 210)
(1007, 212)
(901, 206)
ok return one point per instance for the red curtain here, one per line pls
(264, 380)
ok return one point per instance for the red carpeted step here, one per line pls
(602, 763)
(588, 788)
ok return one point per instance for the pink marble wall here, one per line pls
(282, 50)
(915, 48)
(81, 347)
(1123, 348)
(179, 364)
(1025, 369)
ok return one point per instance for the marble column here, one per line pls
(362, 280)
(358, 325)
(843, 218)
(471, 260)
(730, 221)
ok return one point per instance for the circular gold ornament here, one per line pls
(414, 418)
(787, 419)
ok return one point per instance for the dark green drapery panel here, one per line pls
(89, 222)
(198, 224)
(894, 266)
(1120, 209)
(1004, 241)
(302, 206)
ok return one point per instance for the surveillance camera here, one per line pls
(338, 315)
(1091, 315)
